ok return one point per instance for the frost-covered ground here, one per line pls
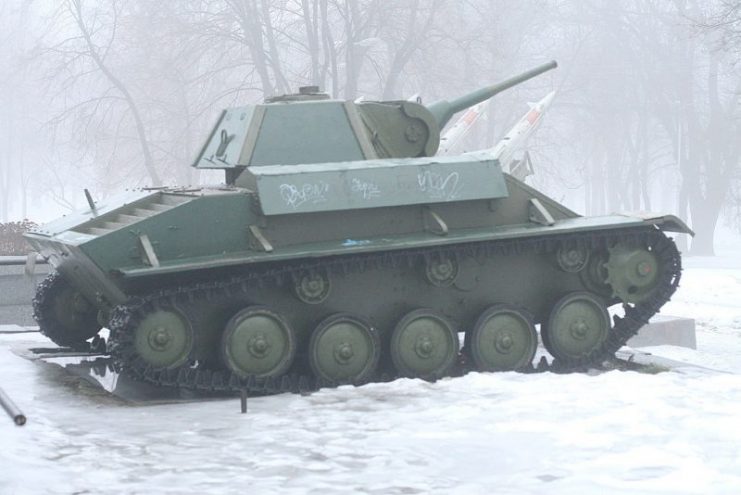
(616, 432)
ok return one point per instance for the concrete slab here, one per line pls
(97, 370)
(17, 291)
(647, 359)
(17, 313)
(666, 330)
(12, 329)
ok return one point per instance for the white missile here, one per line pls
(516, 138)
(456, 132)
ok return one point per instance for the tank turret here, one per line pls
(309, 127)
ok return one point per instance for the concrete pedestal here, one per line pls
(16, 293)
(666, 330)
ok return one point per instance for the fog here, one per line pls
(109, 95)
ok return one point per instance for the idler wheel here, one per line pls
(577, 326)
(424, 345)
(258, 342)
(312, 287)
(64, 315)
(164, 338)
(632, 272)
(503, 339)
(344, 349)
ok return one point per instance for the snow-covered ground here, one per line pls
(616, 432)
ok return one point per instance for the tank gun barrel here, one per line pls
(18, 417)
(444, 110)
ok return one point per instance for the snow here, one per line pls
(616, 432)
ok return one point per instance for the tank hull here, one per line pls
(196, 235)
(504, 252)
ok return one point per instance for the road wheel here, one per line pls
(424, 345)
(258, 342)
(503, 339)
(577, 326)
(163, 338)
(344, 349)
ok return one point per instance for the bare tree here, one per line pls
(80, 54)
(699, 110)
(726, 24)
(665, 106)
(14, 101)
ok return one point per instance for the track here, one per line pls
(63, 315)
(197, 376)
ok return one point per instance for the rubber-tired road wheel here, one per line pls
(344, 349)
(64, 315)
(503, 339)
(578, 325)
(164, 338)
(424, 345)
(258, 342)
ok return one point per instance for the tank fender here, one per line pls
(667, 223)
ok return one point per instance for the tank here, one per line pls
(341, 250)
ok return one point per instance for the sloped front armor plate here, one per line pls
(374, 183)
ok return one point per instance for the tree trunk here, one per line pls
(330, 51)
(248, 19)
(704, 222)
(312, 38)
(119, 85)
(275, 63)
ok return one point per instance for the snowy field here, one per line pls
(616, 432)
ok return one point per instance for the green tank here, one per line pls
(341, 250)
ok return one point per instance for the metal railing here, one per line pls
(20, 260)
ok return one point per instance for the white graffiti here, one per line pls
(294, 196)
(439, 187)
(368, 190)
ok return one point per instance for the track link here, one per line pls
(194, 376)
